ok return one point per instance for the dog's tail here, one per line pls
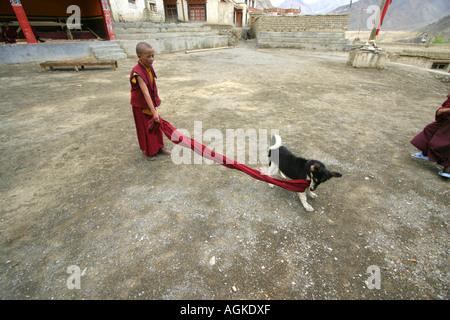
(275, 142)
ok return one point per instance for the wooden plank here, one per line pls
(207, 49)
(40, 24)
(78, 63)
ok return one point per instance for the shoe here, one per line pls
(419, 155)
(443, 174)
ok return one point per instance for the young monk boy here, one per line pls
(145, 100)
(434, 139)
(10, 35)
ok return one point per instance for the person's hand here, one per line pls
(156, 117)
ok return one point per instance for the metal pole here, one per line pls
(23, 21)
(373, 34)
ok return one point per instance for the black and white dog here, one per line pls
(293, 167)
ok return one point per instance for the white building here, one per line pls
(217, 12)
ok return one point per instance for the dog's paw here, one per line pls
(312, 195)
(308, 208)
(271, 185)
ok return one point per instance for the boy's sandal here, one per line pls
(443, 174)
(419, 155)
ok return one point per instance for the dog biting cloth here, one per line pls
(176, 137)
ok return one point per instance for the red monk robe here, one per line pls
(149, 142)
(9, 35)
(434, 140)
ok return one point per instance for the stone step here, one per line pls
(313, 35)
(97, 51)
(304, 45)
(302, 40)
(119, 31)
(110, 50)
(166, 45)
(146, 24)
(144, 27)
(164, 35)
(167, 37)
(112, 56)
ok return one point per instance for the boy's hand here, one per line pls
(156, 117)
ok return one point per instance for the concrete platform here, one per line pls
(360, 58)
(303, 40)
(67, 50)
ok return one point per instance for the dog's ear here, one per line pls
(335, 174)
(314, 167)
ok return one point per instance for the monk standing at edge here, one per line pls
(434, 140)
(145, 100)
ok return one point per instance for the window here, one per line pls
(132, 4)
(440, 65)
(197, 12)
(171, 12)
(152, 5)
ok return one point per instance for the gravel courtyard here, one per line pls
(76, 190)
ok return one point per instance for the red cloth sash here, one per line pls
(176, 137)
(137, 96)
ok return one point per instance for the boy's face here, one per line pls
(147, 57)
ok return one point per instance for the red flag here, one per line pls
(388, 2)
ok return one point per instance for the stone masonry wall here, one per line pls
(314, 23)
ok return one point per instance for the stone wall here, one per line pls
(302, 23)
(139, 10)
(315, 32)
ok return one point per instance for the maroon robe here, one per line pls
(434, 140)
(10, 35)
(150, 142)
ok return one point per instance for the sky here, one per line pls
(278, 2)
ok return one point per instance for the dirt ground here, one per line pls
(76, 190)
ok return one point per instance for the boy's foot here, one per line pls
(165, 151)
(149, 158)
(420, 155)
(445, 172)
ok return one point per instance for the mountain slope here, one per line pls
(402, 15)
(263, 4)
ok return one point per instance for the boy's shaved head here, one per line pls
(141, 47)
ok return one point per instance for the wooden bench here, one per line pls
(78, 63)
